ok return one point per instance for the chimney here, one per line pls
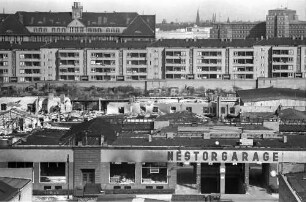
(99, 20)
(102, 140)
(21, 18)
(285, 139)
(150, 138)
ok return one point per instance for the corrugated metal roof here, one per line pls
(298, 184)
(7, 192)
(17, 183)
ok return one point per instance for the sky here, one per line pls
(171, 10)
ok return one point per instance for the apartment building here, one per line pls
(209, 63)
(102, 65)
(155, 62)
(241, 63)
(70, 64)
(262, 63)
(178, 63)
(29, 67)
(303, 61)
(135, 66)
(238, 30)
(6, 70)
(284, 61)
(163, 59)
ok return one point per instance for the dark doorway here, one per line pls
(234, 178)
(256, 175)
(210, 178)
(186, 173)
(88, 176)
(186, 178)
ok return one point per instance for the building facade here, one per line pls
(280, 23)
(76, 25)
(211, 59)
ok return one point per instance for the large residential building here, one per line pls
(284, 23)
(76, 25)
(238, 30)
(279, 23)
(166, 59)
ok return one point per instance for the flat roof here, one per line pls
(293, 141)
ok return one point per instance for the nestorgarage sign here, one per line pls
(202, 156)
(223, 156)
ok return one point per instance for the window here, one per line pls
(21, 56)
(154, 173)
(3, 107)
(53, 172)
(232, 110)
(122, 173)
(20, 164)
(173, 109)
(222, 110)
(155, 109)
(189, 109)
(206, 110)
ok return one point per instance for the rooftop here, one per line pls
(298, 183)
(293, 141)
(265, 94)
(9, 187)
(43, 137)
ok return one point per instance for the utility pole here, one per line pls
(68, 175)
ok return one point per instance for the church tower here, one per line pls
(198, 19)
(77, 10)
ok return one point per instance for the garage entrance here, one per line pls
(210, 178)
(186, 178)
(256, 175)
(234, 178)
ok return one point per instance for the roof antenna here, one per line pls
(3, 10)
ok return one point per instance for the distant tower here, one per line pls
(228, 20)
(198, 18)
(77, 10)
(214, 18)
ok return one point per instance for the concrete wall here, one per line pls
(292, 167)
(295, 83)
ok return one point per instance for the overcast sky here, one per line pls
(171, 10)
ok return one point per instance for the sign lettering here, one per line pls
(223, 156)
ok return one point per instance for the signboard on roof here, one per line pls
(200, 156)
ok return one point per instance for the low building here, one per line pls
(292, 187)
(184, 33)
(15, 189)
(269, 99)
